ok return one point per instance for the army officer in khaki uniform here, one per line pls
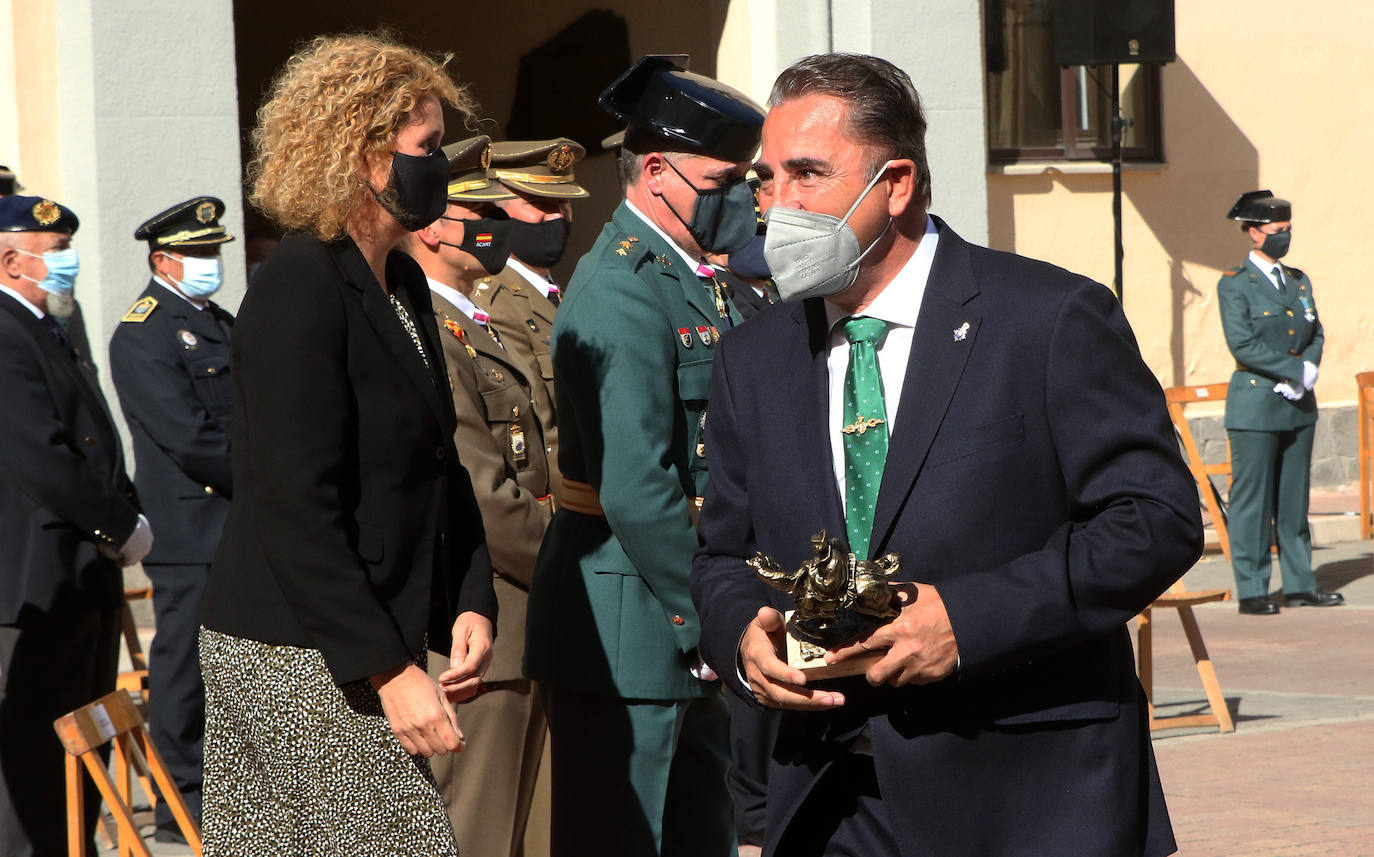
(612, 632)
(1270, 319)
(490, 787)
(523, 299)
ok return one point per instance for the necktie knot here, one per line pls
(864, 329)
(1278, 274)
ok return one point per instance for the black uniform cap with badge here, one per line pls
(193, 223)
(36, 214)
(9, 182)
(658, 95)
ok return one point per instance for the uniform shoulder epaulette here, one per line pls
(1293, 273)
(141, 309)
(1231, 272)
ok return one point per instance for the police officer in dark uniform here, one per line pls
(68, 521)
(169, 358)
(611, 628)
(1270, 319)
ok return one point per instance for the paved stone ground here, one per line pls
(1296, 778)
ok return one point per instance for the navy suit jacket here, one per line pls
(1034, 479)
(63, 491)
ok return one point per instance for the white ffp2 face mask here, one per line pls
(814, 255)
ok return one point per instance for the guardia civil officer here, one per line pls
(489, 788)
(1270, 319)
(169, 358)
(523, 298)
(68, 521)
(611, 630)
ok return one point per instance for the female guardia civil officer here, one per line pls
(1271, 325)
(354, 534)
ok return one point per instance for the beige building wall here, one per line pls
(1268, 95)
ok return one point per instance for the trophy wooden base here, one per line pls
(816, 669)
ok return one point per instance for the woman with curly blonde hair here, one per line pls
(354, 538)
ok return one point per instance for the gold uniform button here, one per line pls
(678, 620)
(88, 440)
(1290, 333)
(1290, 313)
(1266, 312)
(1252, 382)
(209, 490)
(211, 370)
(515, 412)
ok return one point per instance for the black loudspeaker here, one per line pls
(1103, 32)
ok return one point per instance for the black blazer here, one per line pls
(171, 370)
(1034, 479)
(63, 490)
(353, 528)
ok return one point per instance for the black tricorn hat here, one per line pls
(1261, 206)
(659, 95)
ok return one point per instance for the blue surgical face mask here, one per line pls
(63, 266)
(200, 276)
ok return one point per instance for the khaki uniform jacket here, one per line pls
(524, 319)
(1271, 333)
(501, 442)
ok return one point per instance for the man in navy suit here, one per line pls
(68, 522)
(1031, 485)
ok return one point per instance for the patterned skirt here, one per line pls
(298, 766)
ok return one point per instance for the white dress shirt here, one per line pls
(899, 304)
(458, 299)
(540, 283)
(1266, 268)
(24, 302)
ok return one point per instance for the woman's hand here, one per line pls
(421, 718)
(471, 655)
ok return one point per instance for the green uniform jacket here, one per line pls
(609, 611)
(1271, 334)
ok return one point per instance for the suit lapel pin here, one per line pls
(715, 334)
(961, 332)
(664, 261)
(685, 335)
(188, 339)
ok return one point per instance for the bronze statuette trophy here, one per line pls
(839, 598)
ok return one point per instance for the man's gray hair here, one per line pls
(884, 107)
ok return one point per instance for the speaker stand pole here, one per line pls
(1117, 126)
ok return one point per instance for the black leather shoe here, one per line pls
(1260, 605)
(169, 833)
(1315, 598)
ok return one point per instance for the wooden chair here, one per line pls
(135, 679)
(114, 719)
(1364, 383)
(1177, 398)
(1179, 597)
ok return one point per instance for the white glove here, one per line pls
(1287, 392)
(138, 545)
(1309, 374)
(703, 671)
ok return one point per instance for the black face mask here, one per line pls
(486, 239)
(417, 189)
(723, 219)
(541, 244)
(749, 262)
(1276, 246)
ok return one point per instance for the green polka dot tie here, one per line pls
(865, 430)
